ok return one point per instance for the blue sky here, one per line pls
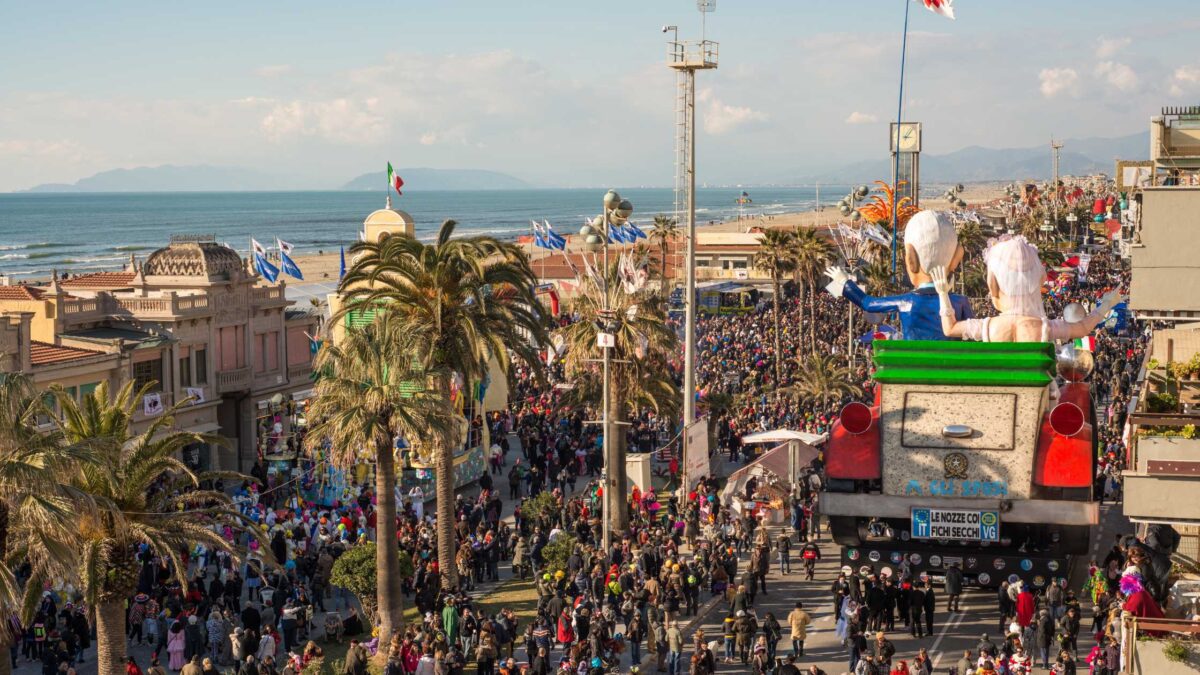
(562, 92)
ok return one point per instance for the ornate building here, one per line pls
(192, 321)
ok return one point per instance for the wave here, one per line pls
(13, 256)
(131, 248)
(36, 256)
(48, 244)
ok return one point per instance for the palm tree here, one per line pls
(878, 278)
(366, 398)
(666, 229)
(811, 254)
(472, 300)
(775, 256)
(971, 238)
(822, 380)
(143, 494)
(641, 378)
(34, 505)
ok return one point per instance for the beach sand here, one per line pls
(324, 268)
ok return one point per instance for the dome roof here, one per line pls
(388, 217)
(204, 259)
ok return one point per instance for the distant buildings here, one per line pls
(192, 320)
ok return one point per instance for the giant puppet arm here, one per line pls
(918, 309)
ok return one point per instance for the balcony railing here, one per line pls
(299, 371)
(234, 380)
(165, 307)
(267, 296)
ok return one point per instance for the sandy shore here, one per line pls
(324, 268)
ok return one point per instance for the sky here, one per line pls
(562, 92)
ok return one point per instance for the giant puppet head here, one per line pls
(930, 240)
(1015, 275)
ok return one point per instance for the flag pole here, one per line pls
(896, 141)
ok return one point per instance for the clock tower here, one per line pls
(906, 147)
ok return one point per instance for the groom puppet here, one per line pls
(929, 241)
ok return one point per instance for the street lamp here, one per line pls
(952, 195)
(848, 206)
(615, 211)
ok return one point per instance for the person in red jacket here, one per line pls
(1025, 607)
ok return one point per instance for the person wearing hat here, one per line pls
(882, 650)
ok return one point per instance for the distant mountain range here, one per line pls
(440, 179)
(975, 163)
(204, 178)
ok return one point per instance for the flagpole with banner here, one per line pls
(896, 150)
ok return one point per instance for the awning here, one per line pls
(785, 435)
(773, 466)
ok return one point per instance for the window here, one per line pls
(43, 418)
(200, 356)
(146, 372)
(185, 369)
(268, 352)
(86, 390)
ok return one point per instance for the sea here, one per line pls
(91, 232)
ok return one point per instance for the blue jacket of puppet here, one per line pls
(930, 240)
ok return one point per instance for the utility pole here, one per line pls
(688, 57)
(1055, 147)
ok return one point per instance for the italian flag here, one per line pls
(395, 180)
(943, 7)
(1086, 342)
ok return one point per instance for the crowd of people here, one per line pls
(279, 610)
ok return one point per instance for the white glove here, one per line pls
(940, 283)
(838, 277)
(1108, 301)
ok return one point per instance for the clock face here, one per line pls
(908, 138)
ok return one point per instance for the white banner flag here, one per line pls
(152, 404)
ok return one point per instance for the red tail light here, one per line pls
(1066, 419)
(856, 418)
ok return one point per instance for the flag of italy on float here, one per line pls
(1086, 342)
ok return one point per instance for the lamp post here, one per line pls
(952, 195)
(615, 211)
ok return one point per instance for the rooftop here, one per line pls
(107, 334)
(45, 354)
(99, 281)
(21, 293)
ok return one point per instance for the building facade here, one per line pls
(193, 324)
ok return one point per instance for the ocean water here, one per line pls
(84, 233)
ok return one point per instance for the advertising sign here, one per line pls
(956, 524)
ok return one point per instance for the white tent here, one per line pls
(785, 435)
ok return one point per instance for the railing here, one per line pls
(299, 371)
(1145, 641)
(710, 273)
(692, 54)
(78, 308)
(271, 294)
(237, 379)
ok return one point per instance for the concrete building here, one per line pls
(190, 320)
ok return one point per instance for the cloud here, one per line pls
(1108, 47)
(1058, 80)
(63, 150)
(276, 70)
(1184, 80)
(721, 118)
(861, 118)
(341, 120)
(1117, 75)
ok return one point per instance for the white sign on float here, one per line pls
(695, 464)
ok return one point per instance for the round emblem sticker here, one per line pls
(852, 554)
(935, 560)
(1014, 579)
(998, 563)
(865, 570)
(984, 578)
(847, 570)
(914, 558)
(1052, 565)
(897, 557)
(987, 518)
(1026, 564)
(874, 556)
(905, 535)
(886, 572)
(972, 563)
(1039, 581)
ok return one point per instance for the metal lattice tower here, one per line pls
(682, 126)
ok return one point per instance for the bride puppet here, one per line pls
(1014, 276)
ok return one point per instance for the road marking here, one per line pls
(934, 652)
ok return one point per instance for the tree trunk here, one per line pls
(443, 467)
(110, 637)
(616, 486)
(800, 292)
(388, 599)
(778, 342)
